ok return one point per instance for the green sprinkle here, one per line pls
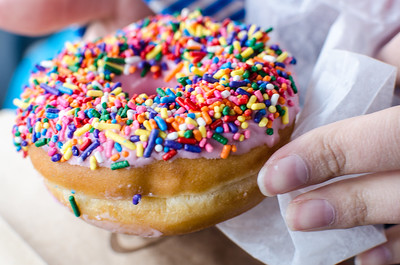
(35, 82)
(293, 84)
(41, 142)
(74, 206)
(252, 42)
(145, 71)
(230, 49)
(112, 69)
(243, 107)
(270, 131)
(146, 22)
(188, 134)
(116, 60)
(226, 110)
(161, 92)
(269, 30)
(182, 80)
(129, 122)
(219, 138)
(119, 165)
(254, 85)
(246, 74)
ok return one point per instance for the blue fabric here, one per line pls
(43, 50)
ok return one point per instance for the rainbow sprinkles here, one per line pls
(225, 76)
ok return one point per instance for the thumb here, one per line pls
(367, 143)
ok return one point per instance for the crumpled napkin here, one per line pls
(324, 36)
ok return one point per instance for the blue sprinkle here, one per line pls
(172, 144)
(267, 102)
(59, 145)
(96, 133)
(56, 158)
(75, 151)
(151, 143)
(208, 78)
(215, 60)
(191, 115)
(117, 147)
(136, 199)
(192, 148)
(219, 129)
(44, 131)
(134, 138)
(243, 92)
(235, 84)
(89, 150)
(38, 135)
(58, 127)
(233, 127)
(166, 149)
(259, 115)
(161, 123)
(159, 140)
(24, 143)
(167, 99)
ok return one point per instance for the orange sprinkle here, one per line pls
(234, 148)
(153, 124)
(238, 110)
(197, 135)
(125, 153)
(175, 125)
(177, 69)
(225, 151)
(170, 120)
(281, 100)
(115, 157)
(206, 117)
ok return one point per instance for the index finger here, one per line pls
(368, 143)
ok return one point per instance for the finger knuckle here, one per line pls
(357, 210)
(333, 156)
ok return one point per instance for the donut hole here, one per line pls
(135, 84)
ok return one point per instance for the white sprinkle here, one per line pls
(270, 86)
(114, 109)
(201, 121)
(236, 78)
(269, 58)
(172, 136)
(183, 127)
(225, 94)
(274, 99)
(99, 157)
(132, 60)
(47, 64)
(130, 114)
(158, 148)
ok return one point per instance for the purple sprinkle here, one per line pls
(136, 199)
(56, 157)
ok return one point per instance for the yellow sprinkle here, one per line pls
(116, 66)
(265, 96)
(143, 138)
(164, 113)
(70, 47)
(241, 118)
(252, 29)
(93, 163)
(246, 53)
(189, 120)
(38, 126)
(148, 102)
(285, 117)
(241, 138)
(70, 86)
(222, 41)
(121, 140)
(181, 133)
(203, 131)
(117, 91)
(282, 57)
(94, 93)
(46, 125)
(142, 132)
(236, 45)
(139, 149)
(20, 104)
(106, 126)
(146, 124)
(217, 115)
(237, 72)
(244, 125)
(272, 109)
(162, 134)
(263, 122)
(153, 53)
(258, 106)
(68, 153)
(251, 101)
(257, 35)
(219, 74)
(68, 144)
(197, 71)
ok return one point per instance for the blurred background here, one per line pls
(19, 54)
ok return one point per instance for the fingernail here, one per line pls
(311, 214)
(282, 175)
(376, 256)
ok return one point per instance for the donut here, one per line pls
(160, 128)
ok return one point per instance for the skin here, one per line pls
(359, 145)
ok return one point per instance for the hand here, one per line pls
(45, 16)
(364, 144)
